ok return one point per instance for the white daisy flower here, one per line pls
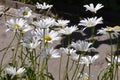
(49, 36)
(92, 8)
(44, 23)
(82, 46)
(91, 22)
(25, 12)
(113, 31)
(68, 30)
(25, 28)
(38, 33)
(67, 51)
(62, 23)
(34, 17)
(15, 25)
(43, 6)
(13, 71)
(50, 53)
(31, 45)
(115, 59)
(50, 21)
(74, 57)
(88, 59)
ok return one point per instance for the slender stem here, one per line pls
(60, 66)
(21, 55)
(77, 72)
(92, 36)
(6, 51)
(47, 67)
(15, 56)
(112, 56)
(89, 71)
(66, 69)
(61, 60)
(26, 55)
(72, 65)
(44, 38)
(111, 47)
(117, 59)
(82, 69)
(76, 69)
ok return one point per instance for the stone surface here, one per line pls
(5, 38)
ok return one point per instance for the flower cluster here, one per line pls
(37, 35)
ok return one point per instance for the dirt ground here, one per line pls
(103, 49)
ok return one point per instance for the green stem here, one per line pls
(82, 69)
(77, 72)
(60, 66)
(66, 69)
(47, 67)
(112, 56)
(72, 65)
(89, 71)
(76, 69)
(92, 36)
(117, 58)
(6, 52)
(16, 52)
(61, 60)
(102, 70)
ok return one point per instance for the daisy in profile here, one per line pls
(26, 28)
(67, 51)
(112, 32)
(82, 46)
(15, 25)
(62, 23)
(93, 8)
(50, 53)
(68, 30)
(88, 59)
(115, 59)
(31, 44)
(91, 22)
(14, 71)
(74, 57)
(44, 23)
(25, 12)
(43, 6)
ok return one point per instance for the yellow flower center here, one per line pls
(89, 24)
(47, 37)
(16, 73)
(49, 55)
(116, 27)
(34, 19)
(85, 78)
(61, 25)
(93, 10)
(23, 31)
(25, 13)
(74, 59)
(109, 29)
(16, 25)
